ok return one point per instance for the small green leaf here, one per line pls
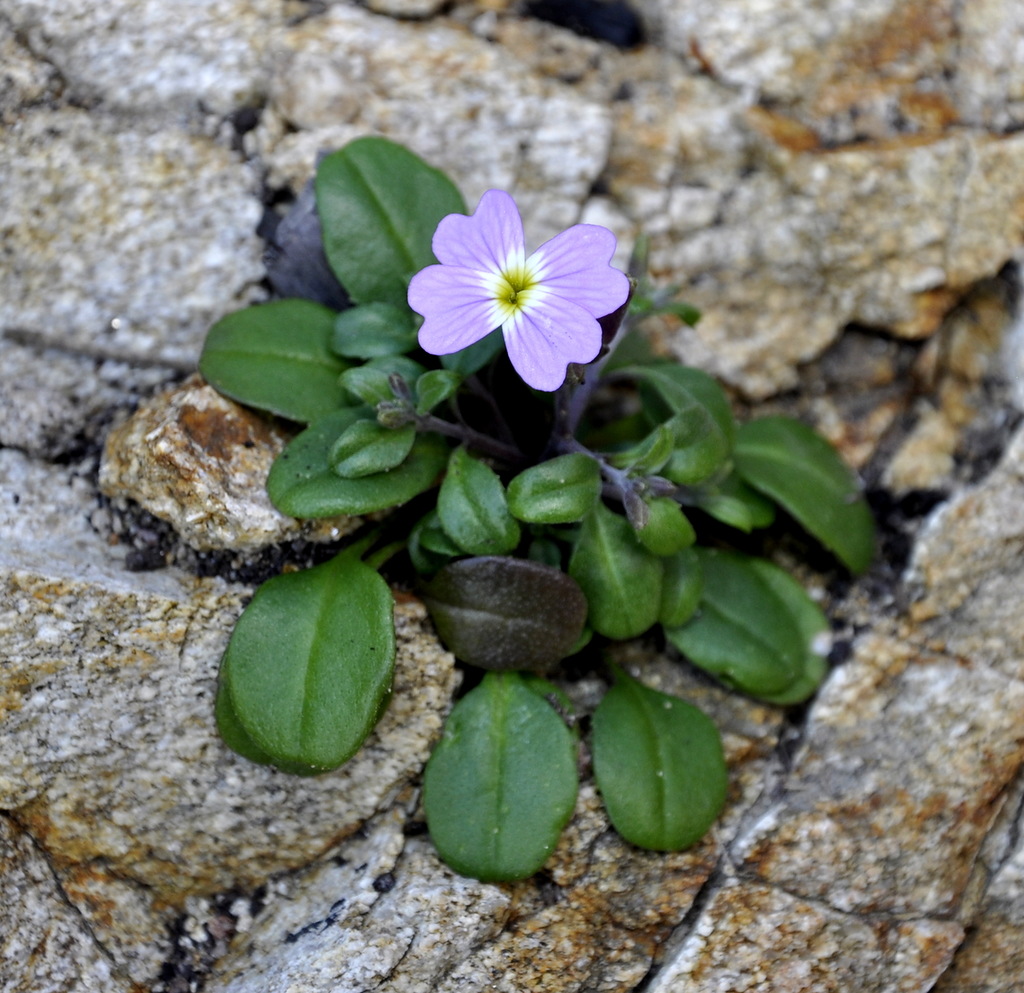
(366, 447)
(275, 357)
(498, 612)
(648, 455)
(667, 530)
(619, 577)
(370, 382)
(800, 470)
(308, 667)
(302, 483)
(379, 205)
(744, 633)
(429, 547)
(735, 503)
(373, 330)
(434, 387)
(681, 588)
(474, 357)
(696, 410)
(659, 765)
(473, 508)
(558, 491)
(501, 783)
(812, 626)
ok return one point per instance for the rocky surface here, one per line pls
(798, 169)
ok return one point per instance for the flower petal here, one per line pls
(456, 307)
(489, 239)
(542, 340)
(574, 264)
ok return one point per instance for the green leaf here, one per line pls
(237, 738)
(648, 455)
(697, 412)
(744, 633)
(366, 447)
(800, 470)
(379, 205)
(659, 765)
(681, 588)
(429, 547)
(276, 357)
(373, 330)
(302, 483)
(667, 530)
(558, 491)
(501, 783)
(371, 381)
(434, 387)
(474, 357)
(498, 612)
(308, 668)
(619, 577)
(812, 626)
(735, 503)
(473, 508)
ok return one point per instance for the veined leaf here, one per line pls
(800, 470)
(473, 509)
(302, 483)
(276, 357)
(379, 205)
(501, 783)
(500, 612)
(659, 765)
(308, 668)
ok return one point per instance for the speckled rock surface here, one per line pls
(122, 242)
(150, 58)
(110, 757)
(200, 461)
(46, 946)
(484, 119)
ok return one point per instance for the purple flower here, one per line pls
(546, 305)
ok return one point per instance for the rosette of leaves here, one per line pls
(536, 524)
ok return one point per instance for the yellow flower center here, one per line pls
(513, 289)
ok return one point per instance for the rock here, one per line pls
(122, 243)
(54, 404)
(110, 757)
(145, 58)
(484, 120)
(200, 461)
(859, 70)
(46, 945)
(751, 938)
(875, 788)
(26, 81)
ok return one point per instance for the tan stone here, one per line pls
(122, 242)
(751, 938)
(484, 119)
(881, 813)
(44, 944)
(200, 461)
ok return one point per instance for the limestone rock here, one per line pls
(200, 461)
(122, 243)
(46, 947)
(873, 784)
(966, 573)
(484, 119)
(148, 58)
(751, 938)
(110, 757)
(852, 70)
(55, 403)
